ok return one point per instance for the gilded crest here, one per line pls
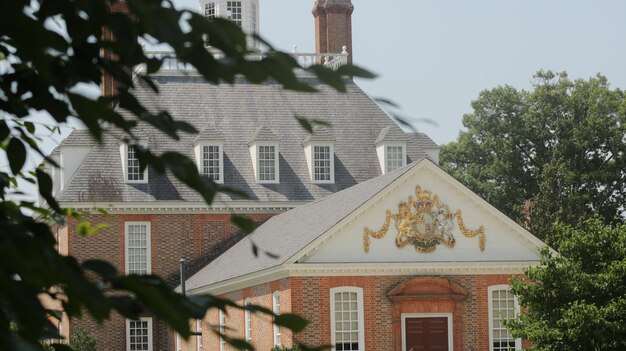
(424, 222)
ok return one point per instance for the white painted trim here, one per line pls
(199, 153)
(199, 336)
(220, 207)
(254, 155)
(124, 155)
(247, 321)
(360, 311)
(404, 316)
(361, 269)
(490, 290)
(309, 151)
(427, 165)
(150, 332)
(277, 336)
(148, 241)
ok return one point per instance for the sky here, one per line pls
(434, 57)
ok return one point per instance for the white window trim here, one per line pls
(254, 152)
(490, 290)
(179, 343)
(309, 151)
(148, 240)
(124, 155)
(222, 324)
(247, 320)
(381, 151)
(150, 340)
(361, 311)
(276, 310)
(199, 336)
(199, 153)
(404, 316)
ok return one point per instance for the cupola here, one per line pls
(245, 13)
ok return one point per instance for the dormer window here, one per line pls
(268, 163)
(265, 156)
(210, 161)
(395, 157)
(391, 148)
(132, 169)
(320, 156)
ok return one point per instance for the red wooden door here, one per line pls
(426, 334)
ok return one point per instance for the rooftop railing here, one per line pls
(171, 64)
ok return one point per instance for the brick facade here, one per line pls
(199, 238)
(310, 298)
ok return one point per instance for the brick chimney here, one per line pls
(333, 26)
(109, 85)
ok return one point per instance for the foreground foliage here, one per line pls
(559, 150)
(576, 300)
(50, 50)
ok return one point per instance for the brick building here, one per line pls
(326, 186)
(410, 260)
(249, 139)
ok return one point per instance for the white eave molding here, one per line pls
(361, 269)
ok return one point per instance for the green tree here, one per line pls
(49, 51)
(559, 148)
(83, 340)
(576, 299)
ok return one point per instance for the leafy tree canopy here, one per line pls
(576, 300)
(49, 49)
(559, 149)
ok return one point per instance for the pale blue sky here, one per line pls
(435, 56)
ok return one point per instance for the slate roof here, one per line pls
(286, 234)
(237, 112)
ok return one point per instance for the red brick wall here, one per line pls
(199, 238)
(311, 297)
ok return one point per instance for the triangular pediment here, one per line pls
(423, 216)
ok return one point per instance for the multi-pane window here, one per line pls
(233, 8)
(322, 163)
(138, 248)
(395, 158)
(133, 170)
(209, 10)
(199, 336)
(139, 335)
(267, 163)
(222, 330)
(248, 322)
(503, 307)
(347, 319)
(211, 162)
(276, 310)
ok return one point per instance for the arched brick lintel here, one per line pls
(428, 295)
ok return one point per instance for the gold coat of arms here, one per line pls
(424, 222)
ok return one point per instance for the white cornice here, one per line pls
(184, 206)
(362, 269)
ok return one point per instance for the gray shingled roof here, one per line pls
(286, 234)
(391, 133)
(320, 133)
(237, 111)
(209, 133)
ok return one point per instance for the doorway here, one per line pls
(426, 332)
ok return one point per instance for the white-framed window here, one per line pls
(346, 318)
(247, 317)
(179, 342)
(137, 241)
(209, 10)
(323, 164)
(222, 330)
(212, 162)
(276, 310)
(233, 9)
(139, 334)
(395, 157)
(503, 306)
(131, 168)
(254, 17)
(199, 336)
(267, 159)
